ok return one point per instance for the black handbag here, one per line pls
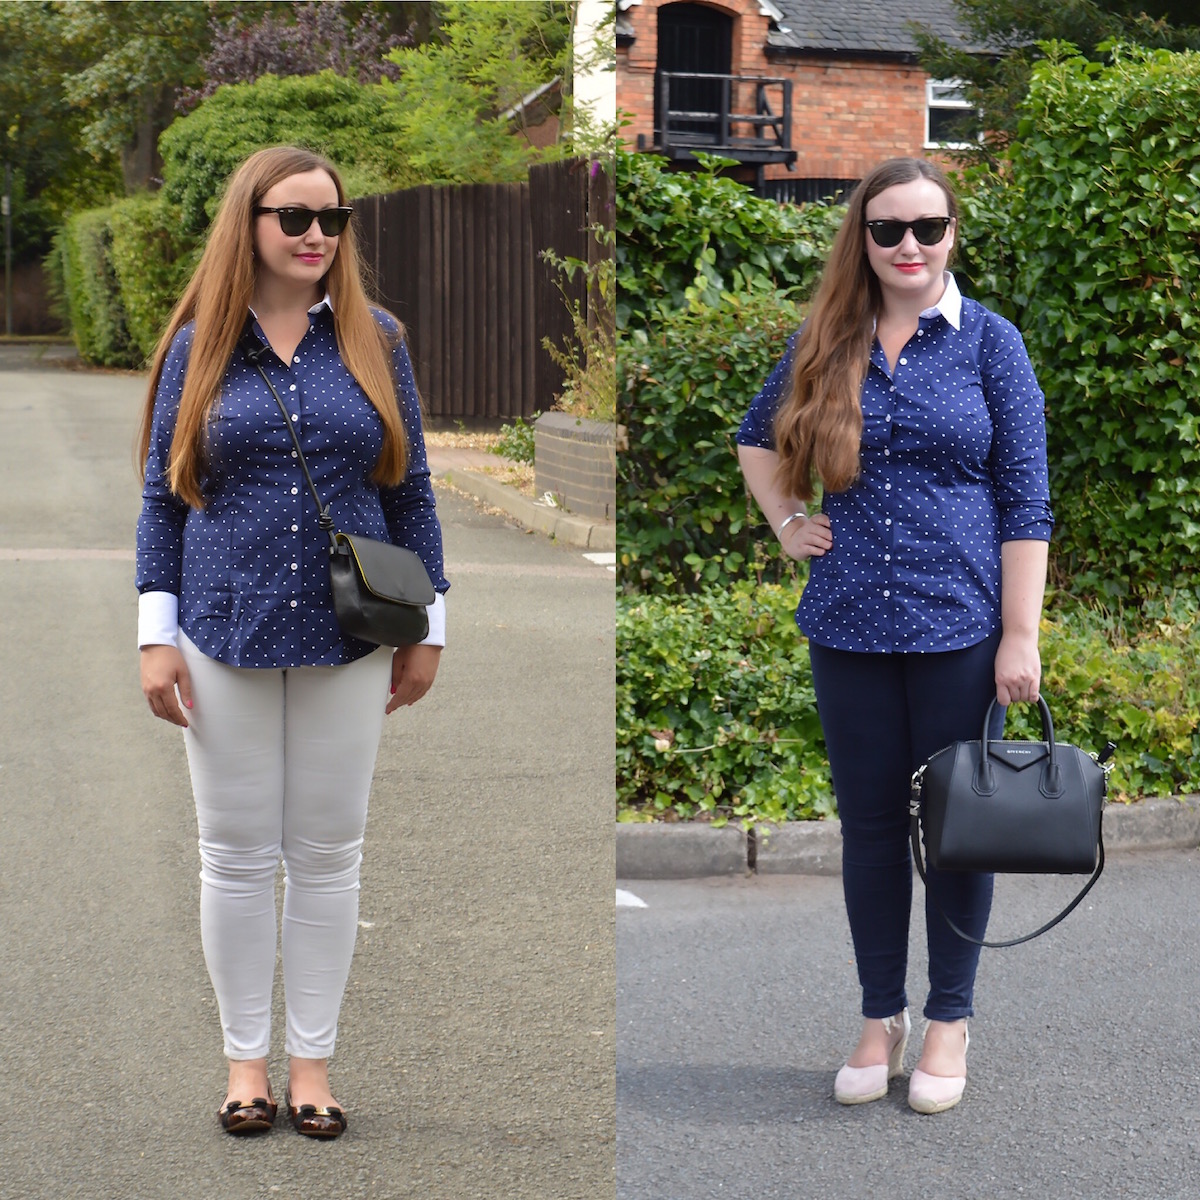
(381, 592)
(1011, 807)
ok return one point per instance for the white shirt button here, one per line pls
(293, 603)
(886, 593)
(887, 487)
(293, 566)
(920, 333)
(887, 521)
(292, 388)
(295, 528)
(904, 362)
(886, 454)
(296, 359)
(295, 490)
(295, 416)
(887, 558)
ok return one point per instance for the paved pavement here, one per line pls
(737, 1002)
(476, 1054)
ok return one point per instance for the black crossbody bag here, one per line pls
(1011, 807)
(381, 592)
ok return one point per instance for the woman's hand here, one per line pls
(809, 537)
(413, 671)
(162, 669)
(1018, 668)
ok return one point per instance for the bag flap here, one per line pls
(1018, 755)
(390, 572)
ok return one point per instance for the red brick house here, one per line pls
(806, 94)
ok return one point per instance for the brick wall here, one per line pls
(847, 114)
(575, 461)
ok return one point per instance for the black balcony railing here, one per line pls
(738, 116)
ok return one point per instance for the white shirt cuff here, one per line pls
(158, 619)
(437, 622)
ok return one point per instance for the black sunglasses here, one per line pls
(295, 222)
(928, 231)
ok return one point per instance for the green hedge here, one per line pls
(716, 717)
(357, 126)
(1087, 238)
(691, 236)
(152, 259)
(89, 289)
(682, 388)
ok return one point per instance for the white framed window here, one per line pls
(945, 106)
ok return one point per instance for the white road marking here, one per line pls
(628, 900)
(603, 558)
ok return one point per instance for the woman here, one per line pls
(239, 642)
(918, 413)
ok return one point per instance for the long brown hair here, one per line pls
(218, 300)
(818, 428)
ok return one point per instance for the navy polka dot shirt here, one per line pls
(953, 463)
(251, 569)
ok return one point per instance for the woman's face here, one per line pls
(295, 262)
(909, 271)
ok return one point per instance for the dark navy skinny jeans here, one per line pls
(883, 715)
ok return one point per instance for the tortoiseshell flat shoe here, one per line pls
(258, 1116)
(315, 1122)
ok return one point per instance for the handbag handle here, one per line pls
(915, 838)
(1051, 784)
(254, 350)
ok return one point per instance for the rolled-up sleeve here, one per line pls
(758, 425)
(1018, 459)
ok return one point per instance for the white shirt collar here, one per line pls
(950, 305)
(324, 302)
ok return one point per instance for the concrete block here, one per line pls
(1170, 823)
(679, 851)
(799, 848)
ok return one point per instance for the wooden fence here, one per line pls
(462, 268)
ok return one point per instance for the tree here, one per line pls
(461, 95)
(997, 82)
(41, 135)
(139, 55)
(305, 40)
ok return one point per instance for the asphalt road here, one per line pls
(737, 1002)
(476, 1053)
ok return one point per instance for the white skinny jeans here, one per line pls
(281, 764)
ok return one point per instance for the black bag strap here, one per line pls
(915, 838)
(254, 350)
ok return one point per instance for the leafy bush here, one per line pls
(1137, 684)
(1096, 262)
(355, 125)
(90, 292)
(716, 716)
(697, 232)
(516, 440)
(152, 260)
(682, 389)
